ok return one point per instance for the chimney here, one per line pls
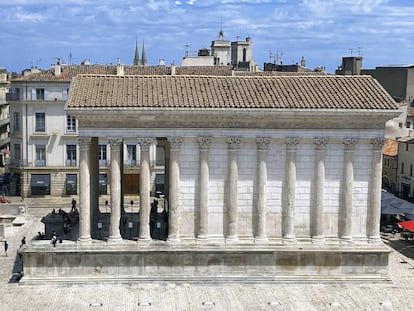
(303, 62)
(58, 68)
(172, 69)
(119, 68)
(161, 62)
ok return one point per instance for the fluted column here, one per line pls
(116, 175)
(262, 146)
(144, 189)
(288, 209)
(84, 190)
(317, 224)
(348, 179)
(374, 208)
(204, 143)
(233, 176)
(174, 193)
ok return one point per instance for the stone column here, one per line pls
(84, 190)
(174, 192)
(262, 146)
(204, 143)
(116, 175)
(317, 224)
(374, 208)
(233, 176)
(288, 209)
(348, 179)
(144, 189)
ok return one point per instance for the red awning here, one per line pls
(409, 224)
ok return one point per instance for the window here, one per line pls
(131, 155)
(40, 122)
(102, 155)
(160, 156)
(402, 168)
(40, 155)
(408, 124)
(40, 184)
(71, 155)
(40, 94)
(17, 154)
(70, 124)
(102, 184)
(16, 121)
(71, 184)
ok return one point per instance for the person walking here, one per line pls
(6, 247)
(23, 241)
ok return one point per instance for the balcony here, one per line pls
(12, 96)
(40, 162)
(71, 163)
(130, 163)
(102, 163)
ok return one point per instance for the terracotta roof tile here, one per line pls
(390, 148)
(307, 92)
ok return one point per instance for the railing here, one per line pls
(130, 162)
(102, 163)
(40, 162)
(12, 96)
(71, 163)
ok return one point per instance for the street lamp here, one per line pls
(100, 230)
(130, 225)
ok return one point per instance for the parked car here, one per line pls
(407, 234)
(390, 229)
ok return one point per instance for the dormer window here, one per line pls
(40, 94)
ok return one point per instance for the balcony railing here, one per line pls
(40, 162)
(71, 163)
(102, 163)
(131, 162)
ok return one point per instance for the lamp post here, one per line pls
(130, 225)
(100, 230)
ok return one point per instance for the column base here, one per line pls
(85, 239)
(289, 239)
(346, 240)
(374, 240)
(202, 238)
(115, 239)
(232, 239)
(173, 239)
(144, 240)
(318, 239)
(261, 240)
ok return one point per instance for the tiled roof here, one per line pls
(70, 71)
(390, 148)
(279, 73)
(204, 70)
(203, 92)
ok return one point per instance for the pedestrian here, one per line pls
(54, 239)
(23, 241)
(73, 205)
(6, 246)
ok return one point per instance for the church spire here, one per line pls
(136, 57)
(143, 54)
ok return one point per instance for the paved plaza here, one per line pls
(393, 295)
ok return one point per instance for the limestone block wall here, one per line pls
(247, 159)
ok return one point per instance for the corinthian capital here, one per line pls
(262, 143)
(175, 142)
(145, 142)
(204, 142)
(350, 143)
(377, 143)
(233, 142)
(292, 142)
(320, 142)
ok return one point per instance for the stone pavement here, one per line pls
(394, 295)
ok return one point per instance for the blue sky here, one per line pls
(36, 32)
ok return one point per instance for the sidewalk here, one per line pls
(395, 295)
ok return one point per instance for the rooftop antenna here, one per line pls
(186, 49)
(271, 56)
(221, 33)
(70, 58)
(352, 50)
(359, 51)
